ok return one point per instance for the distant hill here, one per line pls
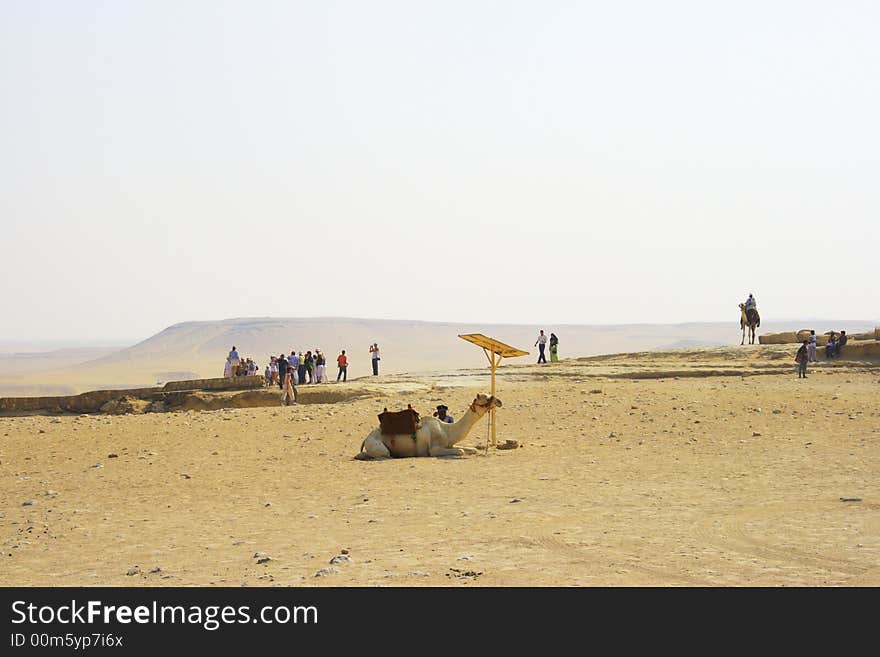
(198, 349)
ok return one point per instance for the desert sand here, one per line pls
(710, 467)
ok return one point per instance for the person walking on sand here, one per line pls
(288, 394)
(554, 346)
(802, 358)
(227, 369)
(540, 344)
(374, 354)
(342, 361)
(811, 347)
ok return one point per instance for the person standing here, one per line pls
(310, 367)
(301, 367)
(283, 367)
(802, 358)
(320, 365)
(540, 344)
(811, 347)
(288, 394)
(374, 354)
(293, 366)
(234, 360)
(227, 369)
(554, 346)
(342, 361)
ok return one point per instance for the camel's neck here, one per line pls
(459, 430)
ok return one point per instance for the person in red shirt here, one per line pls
(342, 361)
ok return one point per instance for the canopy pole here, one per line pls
(495, 351)
(492, 420)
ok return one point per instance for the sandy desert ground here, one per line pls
(715, 467)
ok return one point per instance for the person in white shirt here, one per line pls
(540, 343)
(374, 353)
(234, 359)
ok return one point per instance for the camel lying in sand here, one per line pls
(433, 437)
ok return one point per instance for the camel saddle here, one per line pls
(753, 316)
(399, 423)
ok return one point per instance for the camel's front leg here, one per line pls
(445, 451)
(374, 448)
(744, 336)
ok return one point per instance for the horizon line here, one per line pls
(131, 341)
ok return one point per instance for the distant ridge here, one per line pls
(198, 348)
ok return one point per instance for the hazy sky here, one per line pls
(522, 162)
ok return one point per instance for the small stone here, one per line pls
(342, 558)
(264, 560)
(157, 569)
(515, 500)
(756, 434)
(28, 502)
(344, 551)
(258, 555)
(326, 571)
(42, 431)
(113, 456)
(133, 571)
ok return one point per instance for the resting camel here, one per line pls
(433, 437)
(750, 319)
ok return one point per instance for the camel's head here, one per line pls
(742, 306)
(483, 403)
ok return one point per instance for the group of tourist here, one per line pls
(807, 352)
(238, 366)
(302, 369)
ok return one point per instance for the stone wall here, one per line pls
(91, 402)
(231, 383)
